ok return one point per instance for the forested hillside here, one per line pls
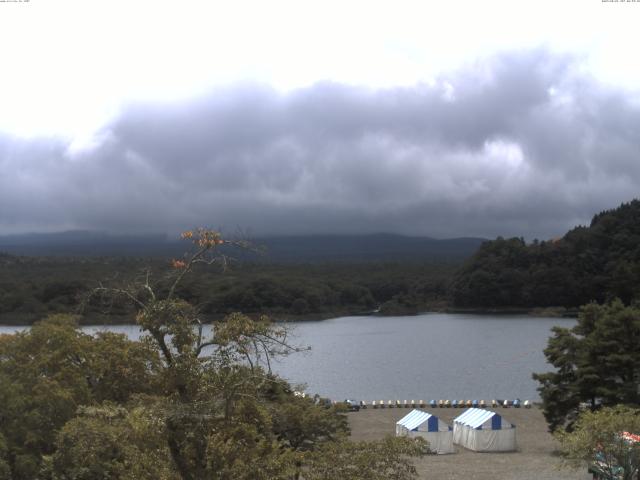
(594, 263)
(31, 287)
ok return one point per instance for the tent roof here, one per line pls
(414, 419)
(476, 417)
(630, 437)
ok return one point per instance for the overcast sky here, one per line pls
(466, 118)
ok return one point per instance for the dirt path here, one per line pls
(534, 459)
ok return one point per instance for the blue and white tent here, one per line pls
(419, 423)
(482, 430)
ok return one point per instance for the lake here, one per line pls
(429, 356)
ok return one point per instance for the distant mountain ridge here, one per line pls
(309, 248)
(382, 246)
(84, 243)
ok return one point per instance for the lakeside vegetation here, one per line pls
(33, 287)
(589, 264)
(596, 263)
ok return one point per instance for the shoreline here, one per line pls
(112, 320)
(556, 312)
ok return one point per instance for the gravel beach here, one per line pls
(535, 458)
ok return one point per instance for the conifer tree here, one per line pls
(597, 363)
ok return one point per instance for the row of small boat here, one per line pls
(517, 403)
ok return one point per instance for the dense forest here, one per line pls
(178, 404)
(595, 263)
(31, 287)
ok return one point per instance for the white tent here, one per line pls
(422, 424)
(482, 430)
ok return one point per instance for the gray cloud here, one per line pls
(518, 144)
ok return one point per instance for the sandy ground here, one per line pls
(534, 459)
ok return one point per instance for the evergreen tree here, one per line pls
(597, 363)
(595, 263)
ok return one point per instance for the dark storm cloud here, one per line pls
(519, 144)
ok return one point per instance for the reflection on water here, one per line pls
(430, 356)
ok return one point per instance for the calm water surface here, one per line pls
(430, 356)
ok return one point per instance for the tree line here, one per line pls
(33, 287)
(595, 263)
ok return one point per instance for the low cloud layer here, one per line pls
(519, 144)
